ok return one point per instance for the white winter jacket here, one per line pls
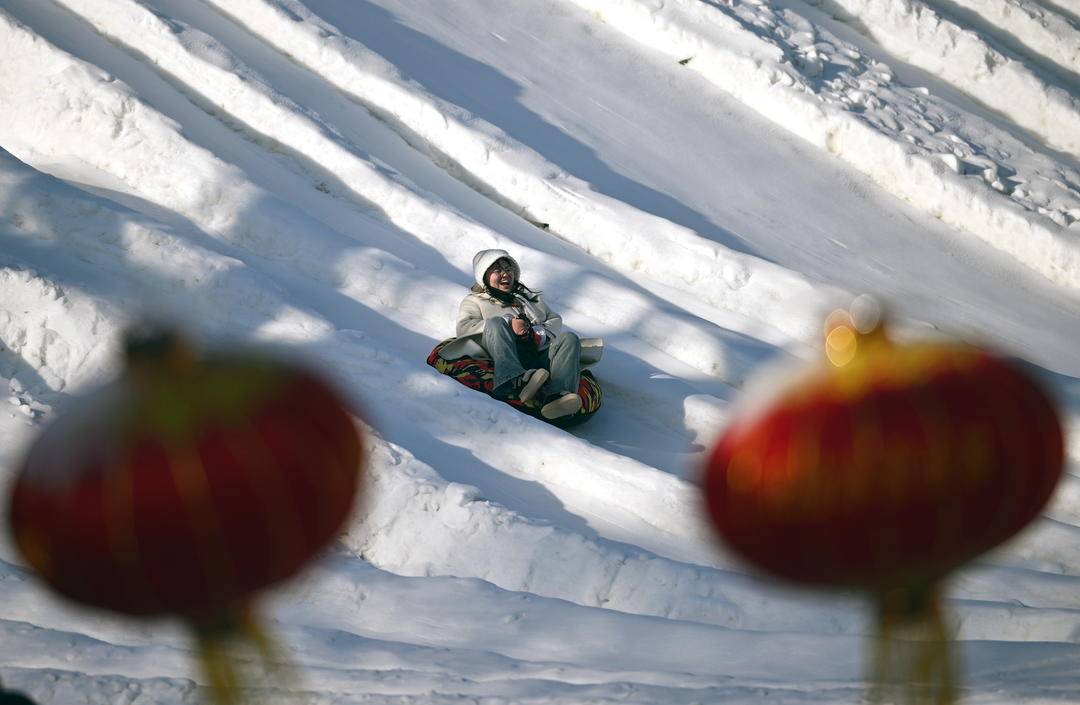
(476, 308)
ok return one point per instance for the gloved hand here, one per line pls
(521, 326)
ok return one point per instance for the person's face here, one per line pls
(501, 276)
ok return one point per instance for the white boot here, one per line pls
(562, 406)
(534, 379)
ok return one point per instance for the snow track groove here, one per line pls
(374, 367)
(267, 235)
(909, 141)
(613, 481)
(1026, 28)
(918, 34)
(254, 108)
(616, 478)
(461, 534)
(627, 239)
(354, 663)
(1070, 9)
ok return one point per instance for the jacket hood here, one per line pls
(485, 258)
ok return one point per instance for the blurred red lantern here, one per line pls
(187, 485)
(883, 472)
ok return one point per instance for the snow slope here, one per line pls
(696, 181)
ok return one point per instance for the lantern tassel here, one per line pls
(218, 667)
(913, 661)
(274, 658)
(218, 642)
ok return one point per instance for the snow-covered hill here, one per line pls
(697, 181)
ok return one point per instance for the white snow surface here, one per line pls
(696, 181)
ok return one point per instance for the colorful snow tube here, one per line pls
(477, 374)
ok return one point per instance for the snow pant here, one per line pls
(512, 357)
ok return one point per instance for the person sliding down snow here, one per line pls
(504, 320)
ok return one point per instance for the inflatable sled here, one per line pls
(478, 373)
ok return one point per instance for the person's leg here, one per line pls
(564, 363)
(509, 358)
(501, 344)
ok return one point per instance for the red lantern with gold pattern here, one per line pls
(883, 471)
(186, 486)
